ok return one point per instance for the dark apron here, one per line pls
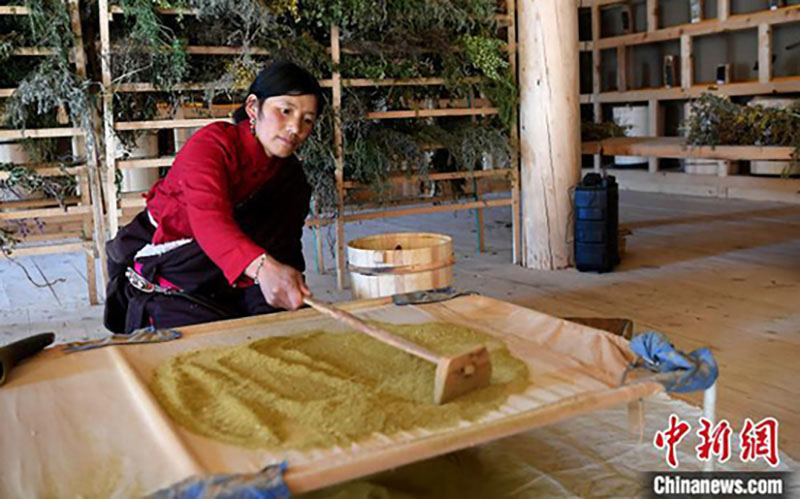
(273, 218)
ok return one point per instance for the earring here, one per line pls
(253, 126)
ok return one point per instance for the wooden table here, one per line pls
(87, 422)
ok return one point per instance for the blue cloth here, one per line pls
(694, 371)
(267, 484)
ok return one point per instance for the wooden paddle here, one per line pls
(455, 376)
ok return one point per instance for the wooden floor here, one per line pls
(723, 274)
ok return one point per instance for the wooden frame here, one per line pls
(86, 208)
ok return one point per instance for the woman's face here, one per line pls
(283, 122)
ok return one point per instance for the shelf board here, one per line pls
(46, 212)
(325, 83)
(705, 27)
(675, 147)
(161, 124)
(38, 133)
(14, 10)
(786, 84)
(425, 113)
(47, 249)
(402, 179)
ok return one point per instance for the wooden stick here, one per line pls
(339, 151)
(377, 333)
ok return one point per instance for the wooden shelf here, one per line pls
(45, 212)
(161, 124)
(49, 249)
(657, 146)
(39, 133)
(786, 84)
(425, 113)
(14, 10)
(336, 83)
(676, 147)
(404, 179)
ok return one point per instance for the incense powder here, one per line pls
(320, 389)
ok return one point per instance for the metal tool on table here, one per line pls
(138, 337)
(12, 354)
(429, 296)
(455, 375)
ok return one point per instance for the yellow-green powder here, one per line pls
(318, 389)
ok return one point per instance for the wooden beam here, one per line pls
(424, 113)
(39, 133)
(420, 210)
(676, 147)
(550, 128)
(652, 15)
(597, 71)
(764, 53)
(33, 51)
(784, 84)
(215, 50)
(48, 249)
(723, 9)
(146, 162)
(403, 179)
(162, 124)
(597, 74)
(336, 57)
(45, 212)
(622, 68)
(707, 27)
(516, 229)
(687, 62)
(655, 128)
(109, 138)
(14, 10)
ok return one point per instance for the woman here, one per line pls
(221, 234)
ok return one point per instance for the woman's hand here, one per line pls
(282, 285)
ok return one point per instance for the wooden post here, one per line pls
(723, 9)
(317, 228)
(764, 53)
(516, 242)
(337, 141)
(723, 167)
(656, 129)
(622, 68)
(652, 15)
(687, 62)
(597, 112)
(550, 128)
(91, 185)
(597, 107)
(108, 119)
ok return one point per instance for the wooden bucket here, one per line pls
(388, 264)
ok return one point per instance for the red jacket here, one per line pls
(221, 165)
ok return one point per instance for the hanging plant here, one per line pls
(22, 180)
(379, 39)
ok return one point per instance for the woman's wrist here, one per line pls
(255, 267)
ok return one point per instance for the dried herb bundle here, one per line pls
(591, 131)
(716, 120)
